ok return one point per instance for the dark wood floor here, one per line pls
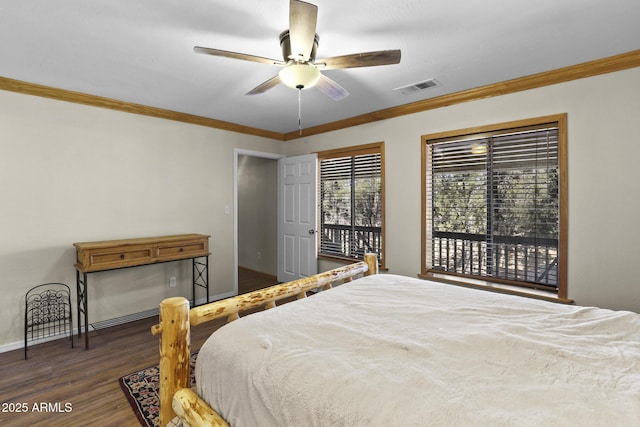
(87, 380)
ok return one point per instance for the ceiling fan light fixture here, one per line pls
(299, 75)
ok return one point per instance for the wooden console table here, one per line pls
(114, 254)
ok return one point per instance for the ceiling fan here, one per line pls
(300, 69)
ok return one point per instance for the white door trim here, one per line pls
(236, 153)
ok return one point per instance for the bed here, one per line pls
(392, 350)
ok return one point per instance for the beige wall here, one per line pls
(71, 173)
(604, 177)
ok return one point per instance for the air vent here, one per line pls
(125, 319)
(417, 87)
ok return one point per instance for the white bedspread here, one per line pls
(389, 350)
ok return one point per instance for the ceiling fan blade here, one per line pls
(330, 88)
(365, 59)
(236, 55)
(263, 87)
(302, 28)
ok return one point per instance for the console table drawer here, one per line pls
(182, 249)
(112, 254)
(121, 256)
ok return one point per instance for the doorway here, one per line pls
(255, 218)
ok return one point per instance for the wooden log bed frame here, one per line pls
(176, 319)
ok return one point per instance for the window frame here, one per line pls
(373, 148)
(560, 120)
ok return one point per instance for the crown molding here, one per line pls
(587, 69)
(128, 107)
(547, 78)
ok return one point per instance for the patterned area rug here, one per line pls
(141, 390)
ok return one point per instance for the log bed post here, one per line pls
(175, 343)
(372, 262)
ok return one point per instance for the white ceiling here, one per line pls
(141, 51)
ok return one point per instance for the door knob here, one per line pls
(312, 231)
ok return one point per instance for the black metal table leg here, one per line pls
(82, 300)
(78, 296)
(207, 277)
(194, 270)
(200, 277)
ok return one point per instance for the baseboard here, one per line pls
(107, 323)
(275, 276)
(20, 344)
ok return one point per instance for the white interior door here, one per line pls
(297, 211)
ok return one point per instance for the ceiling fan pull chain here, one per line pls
(300, 110)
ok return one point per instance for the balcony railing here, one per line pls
(350, 241)
(521, 259)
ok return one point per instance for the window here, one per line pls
(352, 202)
(493, 204)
